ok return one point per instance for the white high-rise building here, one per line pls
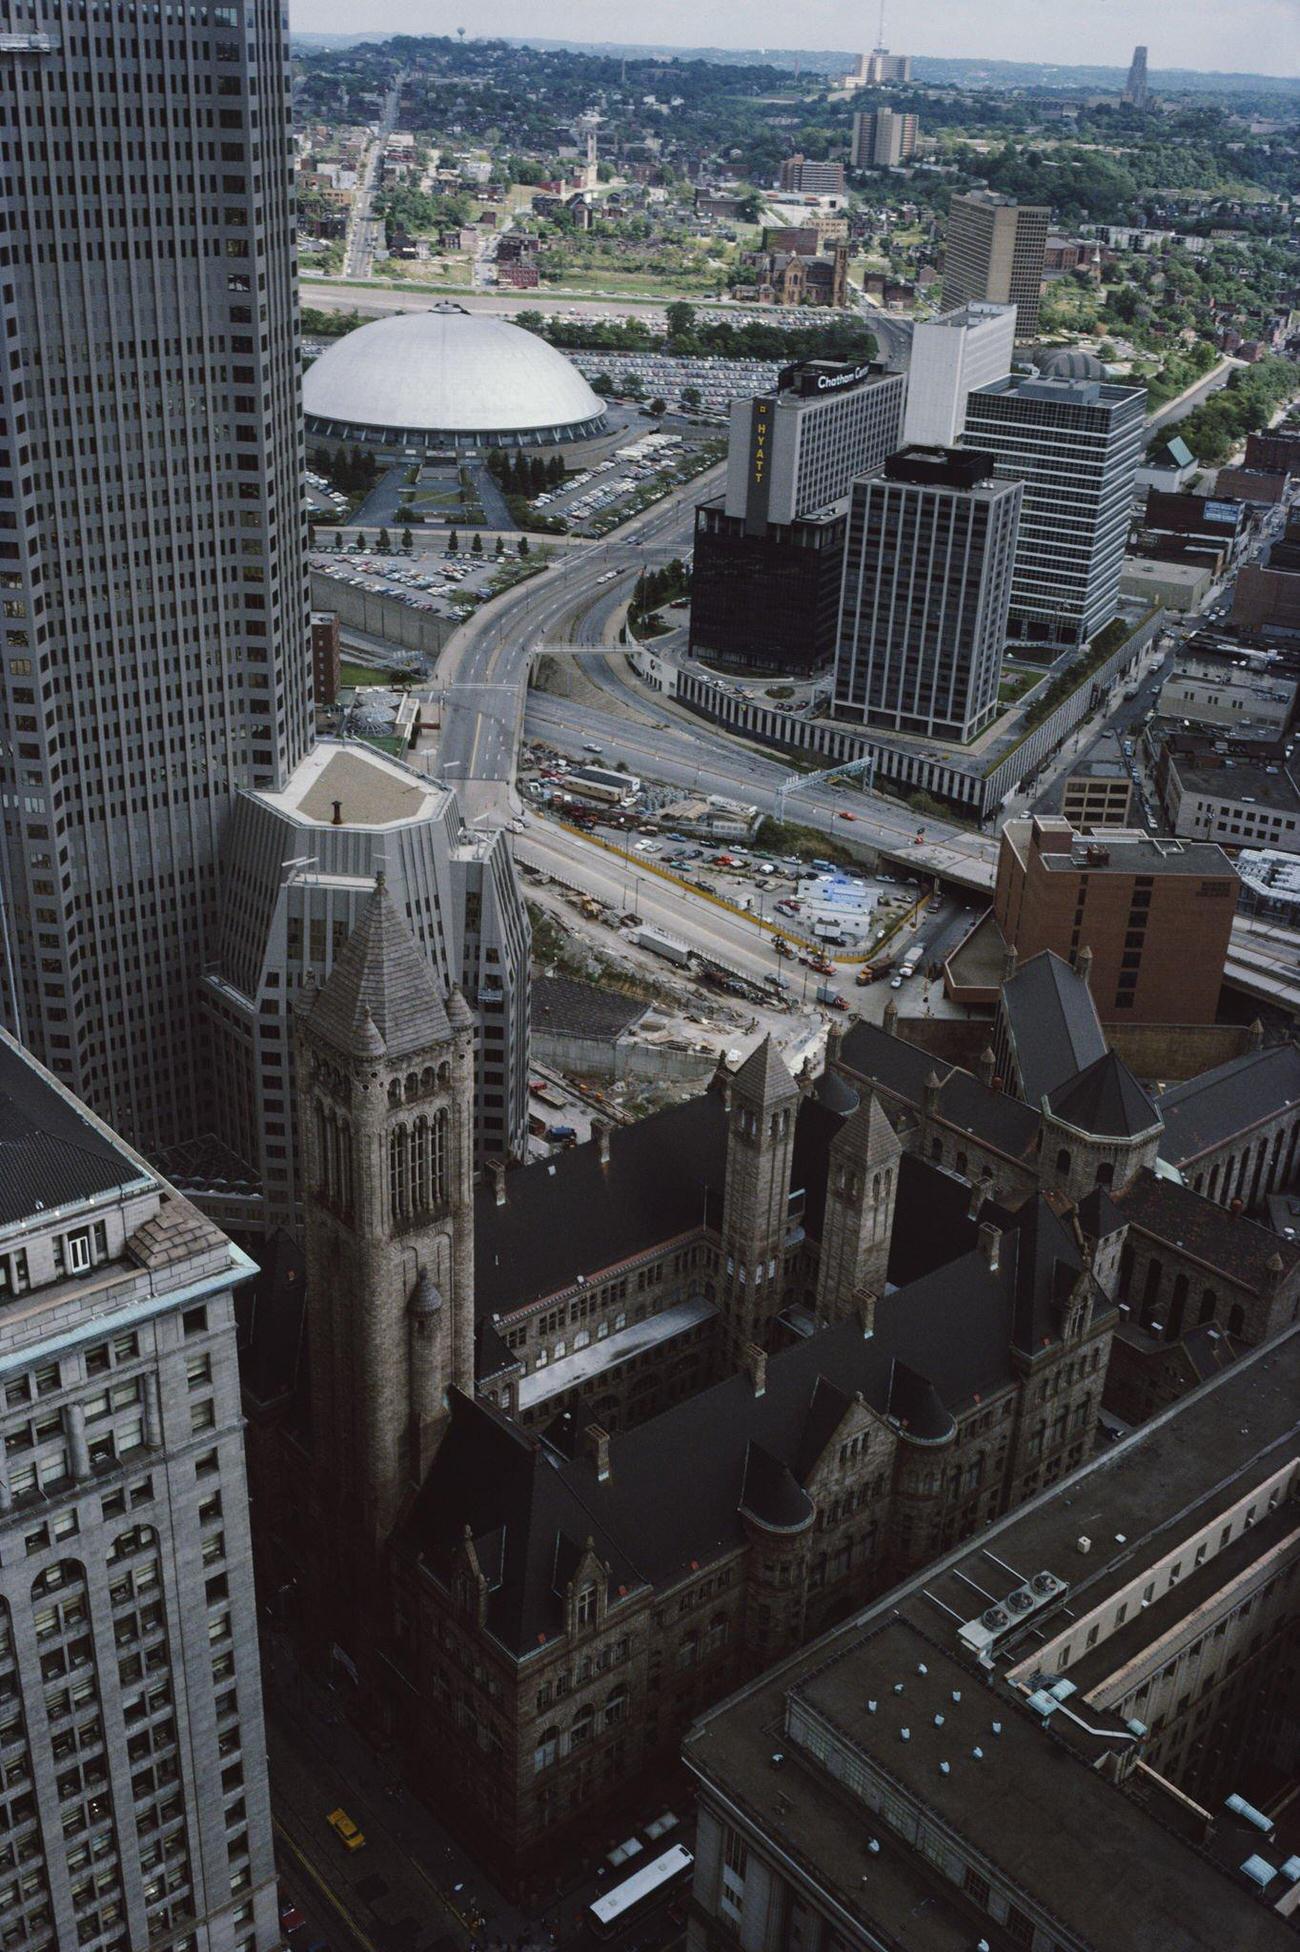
(155, 644)
(1075, 441)
(951, 355)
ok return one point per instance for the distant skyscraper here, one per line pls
(994, 251)
(155, 652)
(927, 584)
(951, 355)
(136, 1808)
(882, 139)
(1137, 90)
(1075, 442)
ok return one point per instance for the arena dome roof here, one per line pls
(1070, 363)
(448, 372)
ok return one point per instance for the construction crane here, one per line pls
(804, 782)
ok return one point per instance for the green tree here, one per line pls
(692, 399)
(338, 539)
(680, 319)
(632, 385)
(500, 548)
(453, 543)
(358, 541)
(385, 542)
(476, 547)
(536, 476)
(658, 405)
(523, 545)
(408, 541)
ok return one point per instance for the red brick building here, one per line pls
(1156, 914)
(325, 657)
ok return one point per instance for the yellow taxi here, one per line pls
(346, 1830)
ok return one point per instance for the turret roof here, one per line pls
(381, 983)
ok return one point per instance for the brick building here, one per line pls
(326, 656)
(1157, 915)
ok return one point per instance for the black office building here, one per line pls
(768, 600)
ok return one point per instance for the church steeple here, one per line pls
(386, 1083)
(763, 1105)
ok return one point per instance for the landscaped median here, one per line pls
(1107, 648)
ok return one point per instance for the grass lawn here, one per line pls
(362, 674)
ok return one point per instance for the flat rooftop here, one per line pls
(1115, 1873)
(1154, 570)
(1233, 778)
(372, 791)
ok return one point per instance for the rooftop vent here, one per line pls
(983, 1635)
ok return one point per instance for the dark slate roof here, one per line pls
(834, 1091)
(1205, 1112)
(381, 982)
(932, 1220)
(771, 1493)
(570, 1215)
(1236, 1247)
(677, 1482)
(1098, 1214)
(815, 1127)
(901, 1069)
(50, 1153)
(1106, 1100)
(565, 1008)
(1047, 1264)
(1053, 1022)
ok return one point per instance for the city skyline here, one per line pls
(1200, 38)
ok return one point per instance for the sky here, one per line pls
(1236, 36)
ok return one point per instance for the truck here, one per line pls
(662, 945)
(561, 1134)
(908, 968)
(831, 998)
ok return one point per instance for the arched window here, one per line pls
(1106, 1172)
(1063, 1160)
(1209, 1306)
(960, 1163)
(427, 1078)
(1236, 1319)
(444, 1076)
(1177, 1304)
(421, 1166)
(395, 1091)
(581, 1726)
(399, 1173)
(875, 1188)
(616, 1706)
(439, 1166)
(412, 1085)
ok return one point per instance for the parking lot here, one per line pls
(597, 498)
(450, 584)
(717, 380)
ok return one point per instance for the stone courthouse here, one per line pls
(557, 1460)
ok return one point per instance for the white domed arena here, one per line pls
(447, 378)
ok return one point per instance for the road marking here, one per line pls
(327, 1890)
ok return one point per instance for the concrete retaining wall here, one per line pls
(381, 616)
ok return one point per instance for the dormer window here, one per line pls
(78, 1252)
(587, 1607)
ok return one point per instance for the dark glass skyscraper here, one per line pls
(155, 647)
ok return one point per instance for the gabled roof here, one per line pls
(1235, 1246)
(900, 1070)
(1206, 1112)
(1053, 1024)
(51, 1154)
(381, 984)
(1106, 1100)
(571, 1215)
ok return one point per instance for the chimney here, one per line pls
(865, 1302)
(834, 1038)
(991, 1244)
(891, 1018)
(1255, 1036)
(754, 1362)
(987, 1066)
(497, 1168)
(978, 1195)
(1009, 964)
(933, 1087)
(1083, 965)
(600, 1131)
(598, 1444)
(338, 813)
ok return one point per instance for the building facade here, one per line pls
(136, 1809)
(933, 1759)
(298, 871)
(769, 552)
(994, 252)
(952, 354)
(1156, 915)
(326, 657)
(807, 177)
(883, 138)
(155, 655)
(927, 586)
(1075, 446)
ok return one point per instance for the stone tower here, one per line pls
(861, 1187)
(385, 1099)
(1099, 1129)
(763, 1102)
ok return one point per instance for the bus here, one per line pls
(639, 1893)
